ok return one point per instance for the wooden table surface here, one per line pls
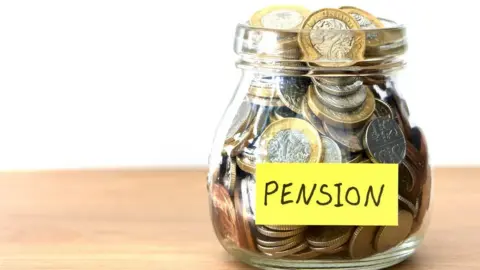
(159, 220)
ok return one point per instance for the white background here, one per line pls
(144, 83)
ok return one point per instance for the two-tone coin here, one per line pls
(331, 48)
(364, 19)
(384, 142)
(346, 103)
(280, 17)
(390, 236)
(352, 119)
(338, 90)
(290, 140)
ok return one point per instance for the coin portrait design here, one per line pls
(289, 146)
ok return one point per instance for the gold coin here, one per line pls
(360, 245)
(328, 236)
(364, 19)
(223, 214)
(310, 117)
(352, 119)
(319, 42)
(275, 241)
(279, 17)
(297, 136)
(390, 236)
(283, 227)
(280, 234)
(288, 252)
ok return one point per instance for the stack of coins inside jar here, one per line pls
(319, 118)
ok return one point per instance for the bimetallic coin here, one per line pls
(350, 138)
(310, 117)
(331, 151)
(328, 236)
(332, 48)
(275, 241)
(240, 120)
(360, 245)
(279, 17)
(292, 91)
(223, 213)
(345, 103)
(390, 236)
(279, 234)
(365, 19)
(382, 109)
(338, 90)
(290, 140)
(384, 142)
(352, 119)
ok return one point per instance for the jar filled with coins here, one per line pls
(318, 86)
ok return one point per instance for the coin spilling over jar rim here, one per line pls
(319, 87)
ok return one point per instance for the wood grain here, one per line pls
(160, 220)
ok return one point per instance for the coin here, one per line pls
(265, 87)
(310, 117)
(284, 112)
(407, 182)
(284, 227)
(408, 205)
(240, 120)
(328, 236)
(350, 138)
(292, 91)
(290, 140)
(352, 119)
(279, 17)
(390, 236)
(331, 151)
(224, 213)
(338, 90)
(288, 252)
(275, 241)
(330, 250)
(243, 220)
(333, 48)
(280, 234)
(365, 19)
(270, 102)
(230, 176)
(276, 248)
(245, 164)
(240, 140)
(360, 245)
(304, 255)
(336, 80)
(345, 103)
(248, 194)
(382, 109)
(384, 142)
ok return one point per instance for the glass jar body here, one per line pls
(342, 108)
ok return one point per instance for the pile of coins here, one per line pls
(329, 118)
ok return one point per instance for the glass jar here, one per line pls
(336, 101)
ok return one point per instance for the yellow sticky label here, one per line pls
(326, 194)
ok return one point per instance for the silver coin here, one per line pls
(292, 91)
(344, 103)
(289, 146)
(230, 176)
(282, 19)
(240, 119)
(364, 22)
(337, 90)
(331, 151)
(336, 81)
(384, 141)
(382, 109)
(331, 44)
